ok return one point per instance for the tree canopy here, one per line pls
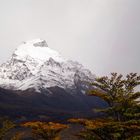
(121, 116)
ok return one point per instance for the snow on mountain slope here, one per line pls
(34, 65)
(37, 49)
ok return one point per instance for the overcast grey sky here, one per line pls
(103, 35)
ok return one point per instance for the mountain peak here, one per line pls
(37, 43)
(36, 49)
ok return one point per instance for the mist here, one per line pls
(103, 35)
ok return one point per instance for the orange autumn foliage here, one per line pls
(45, 125)
(45, 130)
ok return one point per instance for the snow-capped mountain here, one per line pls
(35, 66)
(37, 80)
